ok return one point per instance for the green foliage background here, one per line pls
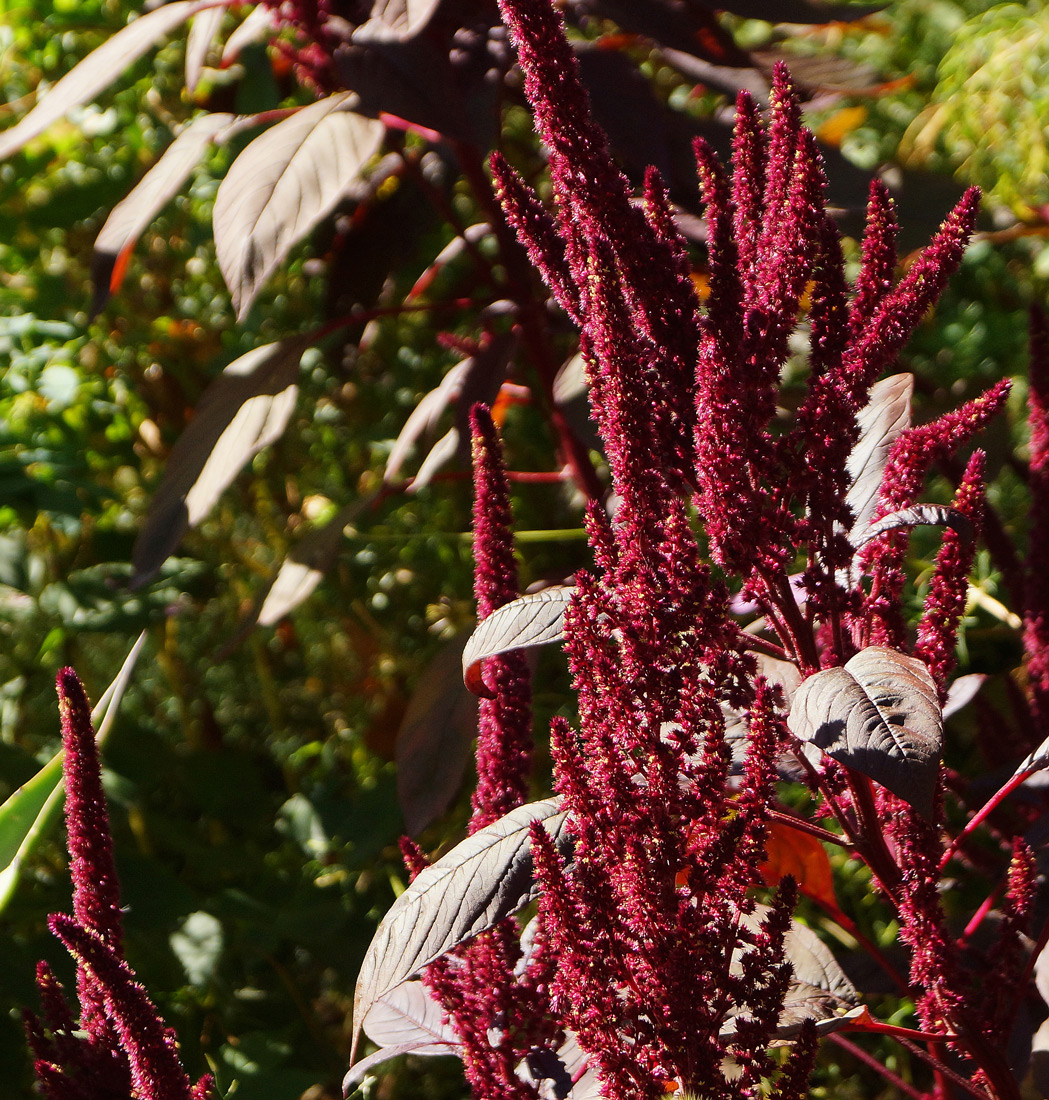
(251, 784)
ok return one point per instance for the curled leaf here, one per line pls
(918, 515)
(479, 882)
(535, 619)
(880, 715)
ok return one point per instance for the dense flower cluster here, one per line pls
(119, 1047)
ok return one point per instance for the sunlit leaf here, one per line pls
(819, 990)
(479, 882)
(245, 409)
(407, 17)
(434, 741)
(283, 183)
(879, 714)
(100, 69)
(536, 619)
(150, 195)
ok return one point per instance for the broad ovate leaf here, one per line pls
(880, 715)
(28, 814)
(434, 740)
(283, 183)
(478, 883)
(886, 415)
(99, 69)
(244, 410)
(150, 195)
(535, 619)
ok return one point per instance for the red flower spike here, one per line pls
(878, 265)
(1036, 581)
(96, 891)
(147, 1044)
(945, 602)
(504, 748)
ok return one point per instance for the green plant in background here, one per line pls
(991, 105)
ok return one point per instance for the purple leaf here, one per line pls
(879, 715)
(149, 196)
(99, 69)
(433, 742)
(536, 619)
(384, 1054)
(283, 183)
(245, 409)
(477, 884)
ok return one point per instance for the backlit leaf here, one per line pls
(886, 415)
(283, 183)
(245, 409)
(304, 567)
(150, 195)
(479, 882)
(99, 69)
(536, 619)
(202, 32)
(879, 715)
(434, 741)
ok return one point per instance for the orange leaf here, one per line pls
(840, 124)
(792, 852)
